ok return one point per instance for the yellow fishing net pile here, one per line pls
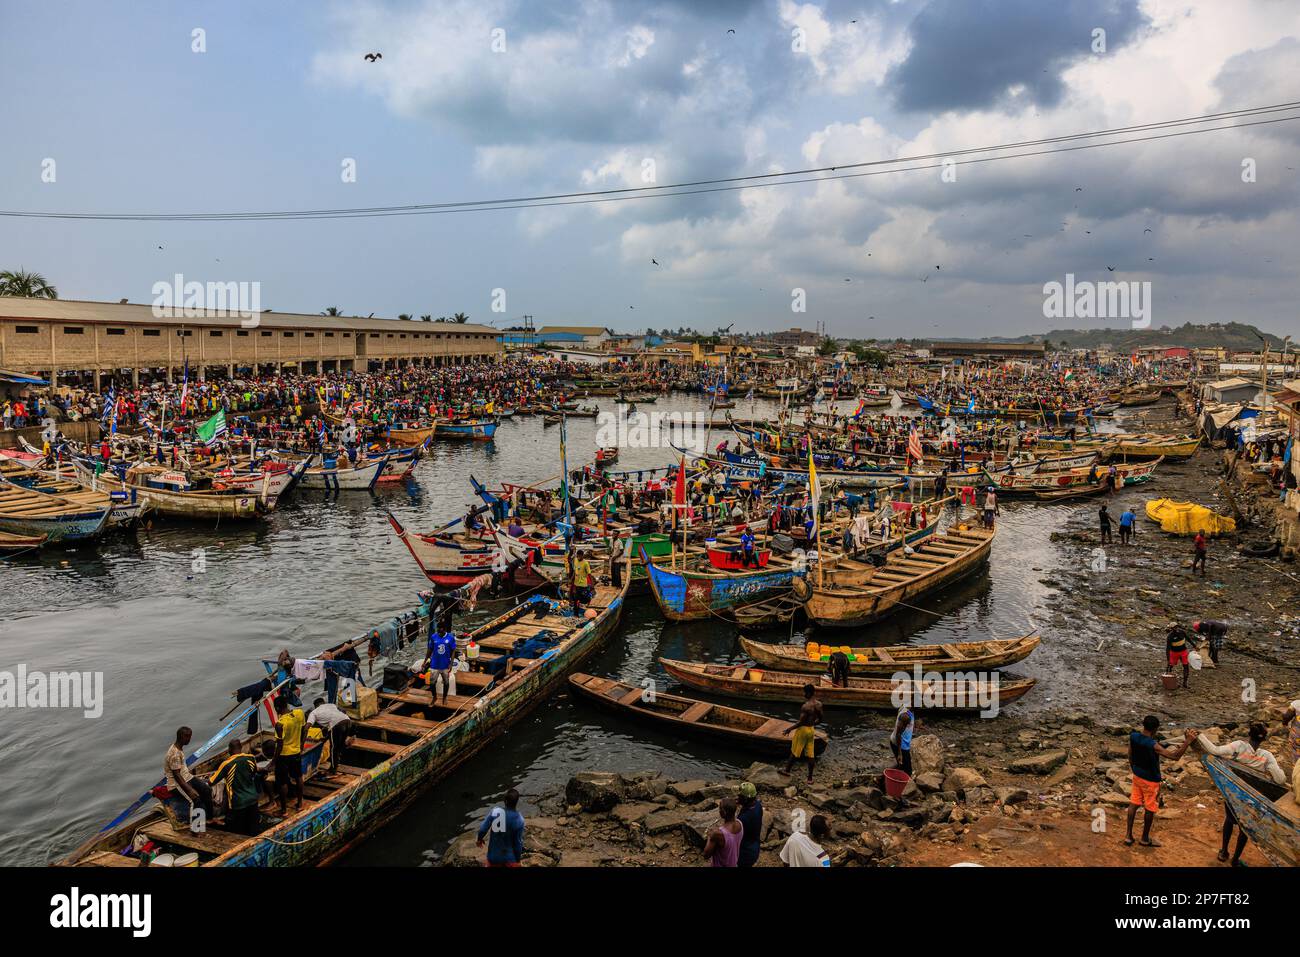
(1187, 518)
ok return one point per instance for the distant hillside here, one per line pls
(1236, 336)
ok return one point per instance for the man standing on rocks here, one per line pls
(1144, 754)
(900, 739)
(722, 846)
(803, 743)
(505, 845)
(751, 819)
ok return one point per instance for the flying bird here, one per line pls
(372, 57)
(731, 31)
(1078, 189)
(1147, 230)
(1110, 268)
(655, 261)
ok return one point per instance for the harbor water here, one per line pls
(175, 616)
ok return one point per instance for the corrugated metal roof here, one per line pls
(73, 310)
(575, 330)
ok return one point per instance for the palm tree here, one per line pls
(427, 317)
(26, 285)
(405, 317)
(460, 317)
(332, 311)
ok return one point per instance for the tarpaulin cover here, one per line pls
(1187, 518)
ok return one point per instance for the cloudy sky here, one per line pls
(485, 99)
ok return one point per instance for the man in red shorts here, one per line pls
(1176, 649)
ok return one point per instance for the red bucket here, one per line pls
(895, 781)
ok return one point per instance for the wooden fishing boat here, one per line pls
(27, 458)
(357, 478)
(850, 595)
(690, 593)
(676, 713)
(126, 505)
(750, 467)
(1061, 494)
(412, 743)
(475, 430)
(813, 658)
(1267, 812)
(405, 434)
(607, 456)
(56, 518)
(1158, 447)
(1063, 443)
(150, 484)
(1133, 398)
(949, 692)
(410, 434)
(1134, 473)
(10, 542)
(450, 561)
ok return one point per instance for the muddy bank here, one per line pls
(1047, 781)
(1054, 793)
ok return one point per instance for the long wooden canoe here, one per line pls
(409, 745)
(951, 692)
(691, 716)
(685, 594)
(1158, 446)
(20, 543)
(887, 660)
(849, 596)
(1265, 811)
(1133, 473)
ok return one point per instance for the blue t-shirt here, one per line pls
(1126, 520)
(1145, 762)
(441, 648)
(506, 839)
(751, 820)
(747, 542)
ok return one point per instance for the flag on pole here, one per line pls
(564, 467)
(814, 483)
(185, 386)
(914, 450)
(679, 487)
(110, 406)
(210, 430)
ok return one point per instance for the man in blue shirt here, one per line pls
(747, 557)
(442, 647)
(1126, 520)
(1144, 753)
(505, 845)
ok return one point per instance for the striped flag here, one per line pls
(212, 429)
(914, 450)
(185, 386)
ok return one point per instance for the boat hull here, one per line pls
(383, 791)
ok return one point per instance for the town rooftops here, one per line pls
(74, 310)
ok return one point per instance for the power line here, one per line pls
(733, 183)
